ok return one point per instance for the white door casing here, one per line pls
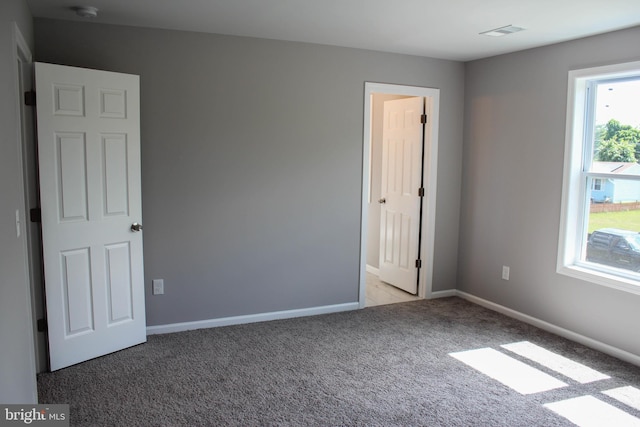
(400, 199)
(89, 160)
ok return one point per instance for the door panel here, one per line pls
(401, 180)
(115, 175)
(119, 286)
(76, 283)
(71, 171)
(89, 159)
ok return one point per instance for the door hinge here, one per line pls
(421, 192)
(35, 215)
(423, 119)
(42, 325)
(418, 263)
(30, 98)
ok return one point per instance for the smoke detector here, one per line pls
(86, 11)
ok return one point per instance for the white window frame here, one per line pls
(597, 182)
(576, 184)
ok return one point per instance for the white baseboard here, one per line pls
(443, 294)
(288, 314)
(373, 270)
(250, 318)
(597, 345)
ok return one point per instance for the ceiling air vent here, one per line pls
(502, 31)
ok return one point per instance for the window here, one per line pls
(600, 224)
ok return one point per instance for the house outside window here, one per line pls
(600, 225)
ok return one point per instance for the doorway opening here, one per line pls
(422, 242)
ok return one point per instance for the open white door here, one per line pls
(402, 147)
(89, 159)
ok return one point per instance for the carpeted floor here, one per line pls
(380, 366)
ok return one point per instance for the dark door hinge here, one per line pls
(421, 192)
(35, 215)
(42, 325)
(30, 98)
(418, 263)
(423, 119)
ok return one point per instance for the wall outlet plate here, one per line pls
(158, 287)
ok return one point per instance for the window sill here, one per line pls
(626, 284)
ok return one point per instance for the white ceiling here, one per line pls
(445, 29)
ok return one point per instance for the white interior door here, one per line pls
(402, 147)
(89, 160)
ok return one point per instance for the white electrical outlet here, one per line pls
(158, 286)
(505, 272)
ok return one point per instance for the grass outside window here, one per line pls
(627, 220)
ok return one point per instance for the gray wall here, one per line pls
(17, 364)
(515, 111)
(251, 162)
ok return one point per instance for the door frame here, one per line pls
(23, 57)
(429, 174)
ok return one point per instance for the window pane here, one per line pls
(619, 168)
(600, 221)
(614, 225)
(616, 128)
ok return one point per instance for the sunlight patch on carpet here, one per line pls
(567, 367)
(587, 411)
(629, 395)
(511, 372)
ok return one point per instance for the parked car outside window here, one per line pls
(615, 247)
